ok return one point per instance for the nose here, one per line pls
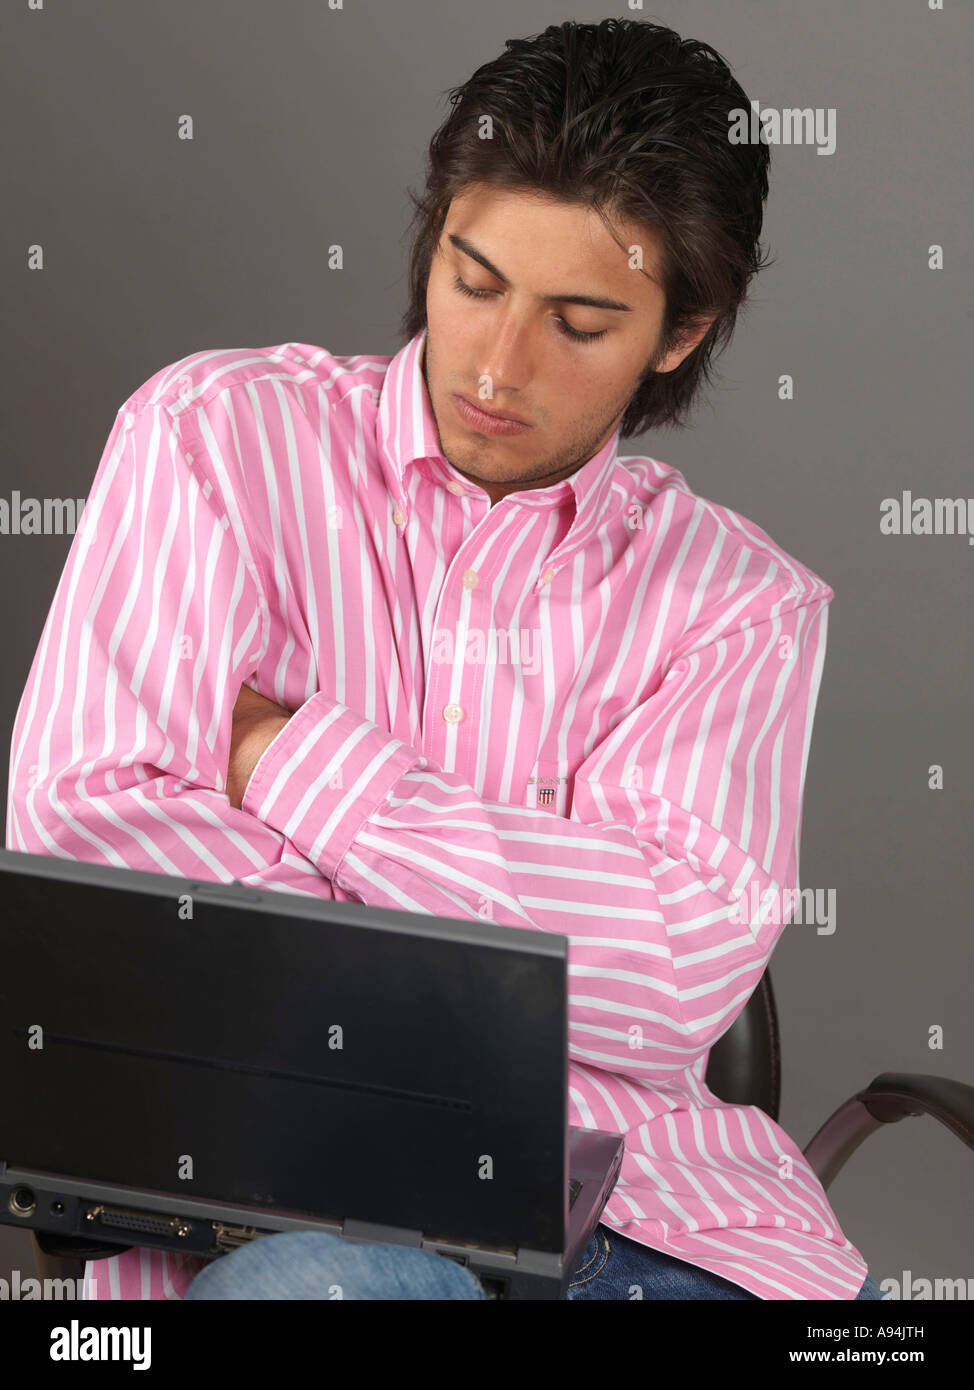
(507, 360)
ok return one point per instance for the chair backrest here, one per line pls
(744, 1067)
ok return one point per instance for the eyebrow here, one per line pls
(592, 302)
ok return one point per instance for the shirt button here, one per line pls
(399, 516)
(469, 579)
(453, 713)
(457, 489)
(548, 576)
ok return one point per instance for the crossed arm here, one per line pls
(256, 723)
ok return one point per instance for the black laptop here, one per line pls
(190, 1065)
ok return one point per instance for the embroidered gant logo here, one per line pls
(546, 789)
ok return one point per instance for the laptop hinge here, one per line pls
(447, 1245)
(462, 1249)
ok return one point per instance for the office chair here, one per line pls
(744, 1068)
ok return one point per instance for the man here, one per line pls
(410, 631)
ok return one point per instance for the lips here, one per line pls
(494, 414)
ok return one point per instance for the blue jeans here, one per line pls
(316, 1265)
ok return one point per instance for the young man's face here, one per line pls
(513, 339)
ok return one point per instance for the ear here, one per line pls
(687, 343)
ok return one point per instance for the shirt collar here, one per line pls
(406, 432)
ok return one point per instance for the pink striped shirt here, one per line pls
(586, 709)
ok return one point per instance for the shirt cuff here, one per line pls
(320, 779)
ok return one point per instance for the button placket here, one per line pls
(458, 711)
(451, 707)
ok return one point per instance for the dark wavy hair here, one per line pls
(629, 118)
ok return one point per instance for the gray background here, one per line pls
(309, 125)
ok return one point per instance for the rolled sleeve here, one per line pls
(321, 778)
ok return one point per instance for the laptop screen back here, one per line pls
(268, 1049)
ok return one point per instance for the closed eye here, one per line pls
(563, 327)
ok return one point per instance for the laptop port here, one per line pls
(232, 1237)
(22, 1201)
(148, 1223)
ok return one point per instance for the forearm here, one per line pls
(657, 966)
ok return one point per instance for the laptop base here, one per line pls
(93, 1220)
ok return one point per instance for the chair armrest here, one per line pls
(890, 1097)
